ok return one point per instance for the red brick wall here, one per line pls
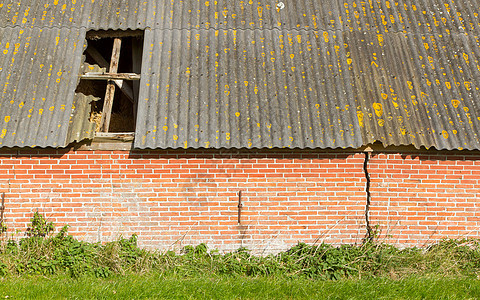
(174, 198)
(421, 198)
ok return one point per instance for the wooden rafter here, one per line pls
(108, 102)
(101, 34)
(110, 76)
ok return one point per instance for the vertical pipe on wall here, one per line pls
(240, 205)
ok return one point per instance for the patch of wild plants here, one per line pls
(44, 253)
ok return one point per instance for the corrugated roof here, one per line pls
(247, 14)
(418, 89)
(161, 14)
(400, 72)
(428, 16)
(245, 88)
(120, 14)
(38, 77)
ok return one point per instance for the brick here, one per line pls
(174, 195)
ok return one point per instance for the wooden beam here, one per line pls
(108, 141)
(102, 62)
(108, 101)
(97, 57)
(114, 136)
(101, 34)
(110, 76)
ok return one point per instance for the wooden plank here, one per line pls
(110, 76)
(101, 34)
(107, 107)
(108, 101)
(104, 145)
(108, 141)
(114, 136)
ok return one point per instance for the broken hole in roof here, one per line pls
(111, 74)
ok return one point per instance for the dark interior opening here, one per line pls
(124, 108)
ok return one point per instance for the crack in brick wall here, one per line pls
(369, 234)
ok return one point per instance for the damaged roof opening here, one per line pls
(110, 75)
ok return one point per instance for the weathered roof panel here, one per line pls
(106, 14)
(259, 14)
(426, 16)
(417, 89)
(253, 89)
(160, 14)
(121, 14)
(37, 87)
(44, 14)
(80, 126)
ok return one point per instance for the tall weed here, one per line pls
(44, 253)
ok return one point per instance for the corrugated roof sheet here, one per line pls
(120, 14)
(245, 88)
(38, 77)
(382, 16)
(174, 14)
(247, 14)
(80, 126)
(399, 72)
(426, 16)
(419, 89)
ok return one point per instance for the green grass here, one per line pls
(44, 265)
(156, 286)
(63, 255)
